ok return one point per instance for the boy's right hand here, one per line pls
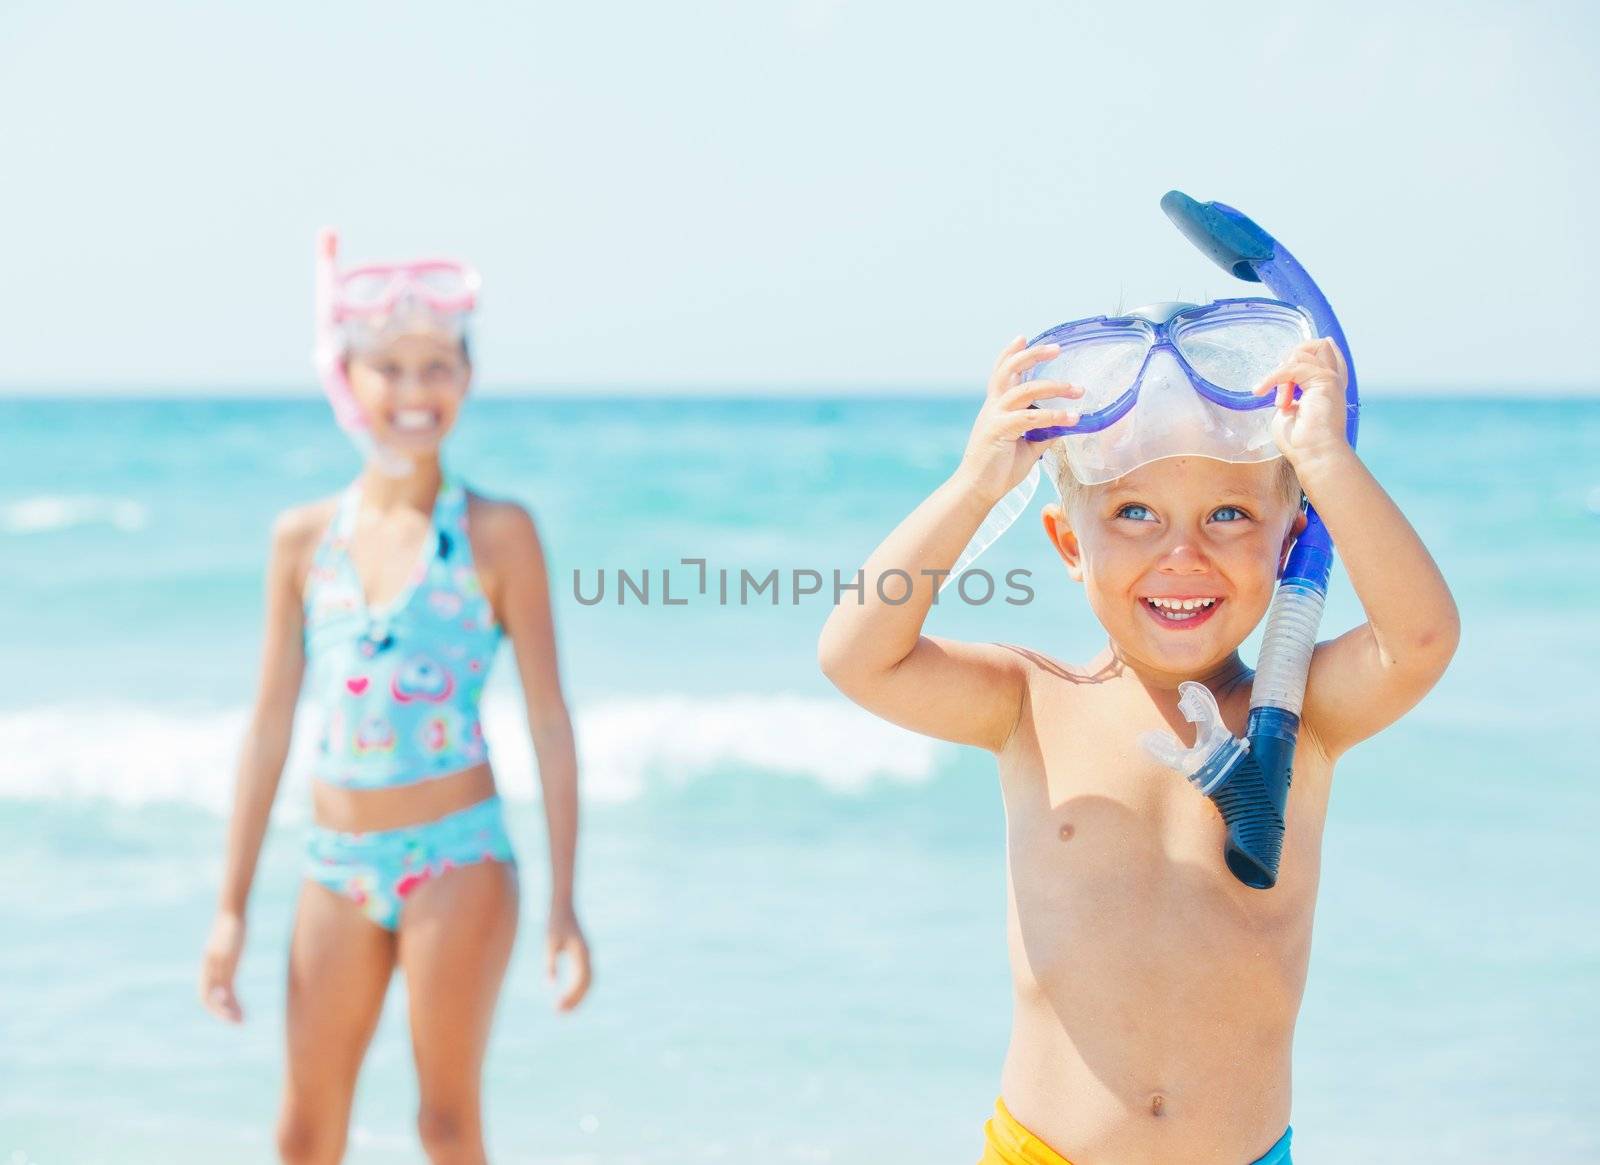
(997, 457)
(217, 967)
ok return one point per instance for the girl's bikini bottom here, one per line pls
(379, 870)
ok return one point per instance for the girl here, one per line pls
(392, 598)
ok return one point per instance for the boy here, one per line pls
(1155, 995)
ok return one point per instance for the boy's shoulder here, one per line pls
(1045, 679)
(1036, 664)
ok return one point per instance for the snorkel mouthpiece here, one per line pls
(1248, 780)
(1227, 770)
(1215, 748)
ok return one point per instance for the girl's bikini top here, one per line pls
(400, 683)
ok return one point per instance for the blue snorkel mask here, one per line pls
(1175, 380)
(1169, 380)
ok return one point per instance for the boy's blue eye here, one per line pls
(1229, 514)
(1135, 512)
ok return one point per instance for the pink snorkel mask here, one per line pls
(360, 308)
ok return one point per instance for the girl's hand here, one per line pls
(997, 457)
(217, 967)
(564, 937)
(1313, 425)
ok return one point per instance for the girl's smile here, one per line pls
(411, 389)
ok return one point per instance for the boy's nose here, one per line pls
(1184, 557)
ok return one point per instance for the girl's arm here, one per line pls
(524, 585)
(874, 650)
(1370, 676)
(262, 755)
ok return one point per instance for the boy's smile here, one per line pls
(1182, 612)
(1178, 558)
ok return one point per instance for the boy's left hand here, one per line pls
(1314, 424)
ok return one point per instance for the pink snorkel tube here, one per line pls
(443, 288)
(329, 351)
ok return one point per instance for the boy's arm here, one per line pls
(874, 651)
(1370, 676)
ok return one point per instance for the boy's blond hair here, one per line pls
(1070, 488)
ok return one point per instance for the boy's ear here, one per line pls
(1296, 528)
(1062, 536)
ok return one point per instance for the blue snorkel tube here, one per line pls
(1249, 780)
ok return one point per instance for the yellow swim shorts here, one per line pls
(1007, 1142)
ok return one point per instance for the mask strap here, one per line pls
(1006, 511)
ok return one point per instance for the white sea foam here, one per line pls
(44, 513)
(137, 755)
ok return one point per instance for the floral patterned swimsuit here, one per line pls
(400, 685)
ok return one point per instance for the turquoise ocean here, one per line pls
(797, 911)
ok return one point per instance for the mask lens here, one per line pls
(1104, 366)
(442, 282)
(365, 290)
(1235, 351)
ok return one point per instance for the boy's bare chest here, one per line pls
(1097, 827)
(1081, 764)
(1132, 946)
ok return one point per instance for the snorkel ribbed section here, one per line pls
(1252, 797)
(1250, 785)
(1286, 646)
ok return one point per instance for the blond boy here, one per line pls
(1155, 995)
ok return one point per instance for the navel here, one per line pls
(1066, 831)
(1157, 1103)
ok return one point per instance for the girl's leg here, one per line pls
(339, 968)
(456, 935)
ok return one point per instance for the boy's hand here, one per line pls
(1313, 425)
(997, 457)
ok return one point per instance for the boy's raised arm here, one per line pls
(874, 651)
(1370, 676)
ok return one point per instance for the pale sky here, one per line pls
(787, 194)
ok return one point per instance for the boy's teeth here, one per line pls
(1180, 609)
(414, 419)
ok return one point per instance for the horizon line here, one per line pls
(723, 390)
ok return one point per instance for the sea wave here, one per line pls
(139, 755)
(45, 513)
